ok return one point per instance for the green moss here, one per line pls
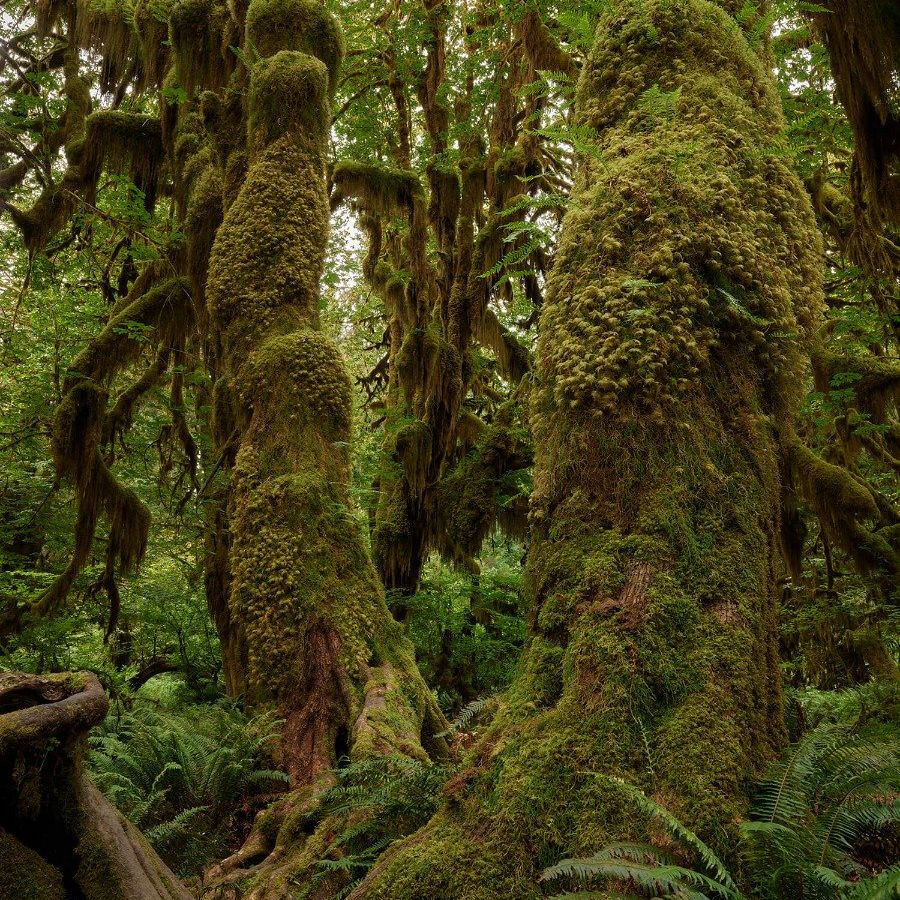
(201, 32)
(25, 875)
(288, 95)
(376, 189)
(706, 242)
(301, 25)
(253, 290)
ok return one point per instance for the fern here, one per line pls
(649, 871)
(468, 714)
(180, 778)
(385, 798)
(658, 105)
(832, 790)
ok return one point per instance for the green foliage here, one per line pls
(187, 777)
(468, 629)
(823, 824)
(831, 793)
(382, 799)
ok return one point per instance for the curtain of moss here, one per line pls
(686, 285)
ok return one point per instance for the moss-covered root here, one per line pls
(59, 836)
(686, 281)
(319, 641)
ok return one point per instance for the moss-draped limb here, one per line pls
(848, 510)
(54, 205)
(863, 40)
(59, 835)
(82, 426)
(686, 283)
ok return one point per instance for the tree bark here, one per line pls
(669, 368)
(59, 836)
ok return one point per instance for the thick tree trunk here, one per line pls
(59, 836)
(307, 629)
(688, 275)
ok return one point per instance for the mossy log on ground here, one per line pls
(685, 287)
(59, 836)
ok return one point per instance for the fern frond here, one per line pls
(677, 830)
(885, 886)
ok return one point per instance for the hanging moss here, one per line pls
(130, 143)
(478, 494)
(375, 188)
(512, 357)
(863, 40)
(151, 22)
(108, 27)
(201, 31)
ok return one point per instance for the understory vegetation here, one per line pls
(461, 438)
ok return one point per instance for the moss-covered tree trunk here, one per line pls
(686, 282)
(59, 836)
(320, 644)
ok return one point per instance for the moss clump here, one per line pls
(289, 95)
(302, 25)
(270, 284)
(25, 875)
(305, 369)
(705, 235)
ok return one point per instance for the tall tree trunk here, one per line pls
(304, 596)
(59, 836)
(687, 280)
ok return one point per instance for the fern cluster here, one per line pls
(815, 811)
(183, 778)
(833, 792)
(381, 799)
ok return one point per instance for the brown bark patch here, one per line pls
(318, 709)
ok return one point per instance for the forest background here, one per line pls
(455, 154)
